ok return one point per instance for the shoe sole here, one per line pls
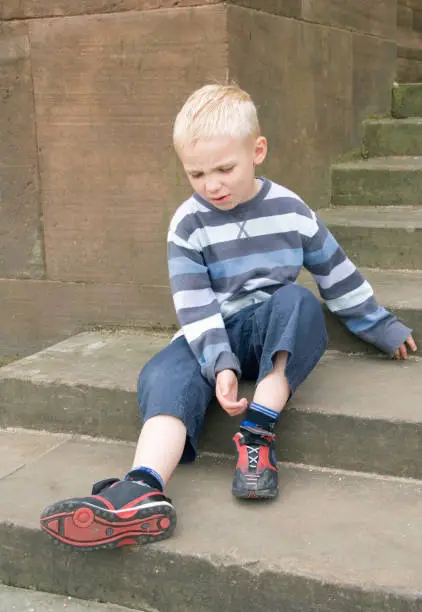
(263, 494)
(83, 526)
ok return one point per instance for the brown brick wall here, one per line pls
(88, 95)
(409, 41)
(313, 84)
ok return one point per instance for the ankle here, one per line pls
(146, 475)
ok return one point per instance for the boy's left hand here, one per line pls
(226, 389)
(402, 351)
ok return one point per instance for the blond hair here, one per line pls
(216, 110)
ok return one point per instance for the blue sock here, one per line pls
(146, 475)
(259, 417)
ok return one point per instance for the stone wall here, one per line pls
(88, 94)
(409, 41)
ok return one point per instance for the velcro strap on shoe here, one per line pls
(102, 484)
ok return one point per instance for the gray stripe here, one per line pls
(187, 282)
(350, 283)
(190, 315)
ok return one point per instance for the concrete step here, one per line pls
(379, 181)
(388, 237)
(333, 541)
(407, 100)
(384, 137)
(353, 412)
(27, 600)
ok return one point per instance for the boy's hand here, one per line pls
(226, 388)
(401, 352)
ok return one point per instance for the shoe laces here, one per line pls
(253, 455)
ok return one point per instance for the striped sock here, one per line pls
(259, 417)
(146, 475)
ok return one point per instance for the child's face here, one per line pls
(222, 170)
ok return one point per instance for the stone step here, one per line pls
(407, 100)
(388, 237)
(333, 541)
(379, 181)
(28, 600)
(353, 412)
(384, 137)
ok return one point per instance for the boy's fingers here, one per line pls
(412, 344)
(233, 407)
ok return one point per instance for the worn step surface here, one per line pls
(379, 181)
(27, 600)
(407, 100)
(378, 236)
(333, 541)
(385, 137)
(354, 411)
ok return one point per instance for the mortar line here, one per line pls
(203, 6)
(41, 219)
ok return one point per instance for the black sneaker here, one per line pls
(256, 475)
(118, 513)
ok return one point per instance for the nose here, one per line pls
(212, 185)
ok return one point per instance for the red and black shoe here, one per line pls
(256, 475)
(118, 513)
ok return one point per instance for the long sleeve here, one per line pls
(197, 308)
(347, 294)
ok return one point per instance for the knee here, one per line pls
(148, 377)
(296, 296)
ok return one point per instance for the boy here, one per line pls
(235, 249)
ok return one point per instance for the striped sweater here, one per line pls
(222, 261)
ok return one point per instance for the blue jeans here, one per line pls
(290, 320)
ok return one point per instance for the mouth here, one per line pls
(220, 200)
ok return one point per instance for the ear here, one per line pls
(260, 150)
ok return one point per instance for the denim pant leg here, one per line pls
(171, 383)
(291, 320)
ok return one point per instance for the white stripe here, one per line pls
(278, 191)
(337, 274)
(232, 306)
(188, 207)
(264, 226)
(141, 506)
(351, 299)
(222, 297)
(256, 283)
(193, 298)
(194, 330)
(175, 239)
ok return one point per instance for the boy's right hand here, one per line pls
(226, 388)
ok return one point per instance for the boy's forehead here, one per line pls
(211, 153)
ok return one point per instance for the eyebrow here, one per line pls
(198, 171)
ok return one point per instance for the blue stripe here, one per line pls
(248, 424)
(183, 265)
(257, 261)
(368, 321)
(322, 255)
(212, 351)
(260, 408)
